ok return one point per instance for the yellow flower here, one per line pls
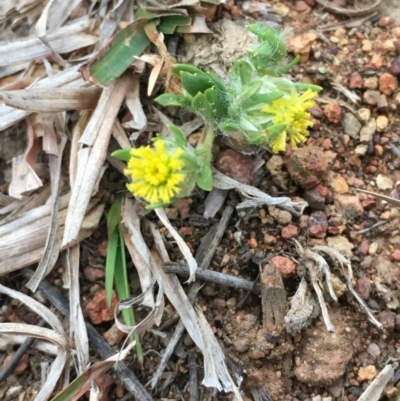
(279, 144)
(293, 112)
(156, 172)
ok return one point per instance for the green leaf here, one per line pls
(122, 154)
(153, 206)
(191, 69)
(241, 73)
(219, 85)
(111, 258)
(228, 126)
(218, 109)
(179, 137)
(123, 290)
(169, 24)
(304, 87)
(126, 46)
(171, 99)
(113, 215)
(205, 179)
(275, 45)
(196, 83)
(200, 105)
(249, 90)
(262, 99)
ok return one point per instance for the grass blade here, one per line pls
(111, 260)
(123, 290)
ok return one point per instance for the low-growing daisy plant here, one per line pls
(258, 103)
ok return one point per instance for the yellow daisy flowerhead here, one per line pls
(293, 111)
(156, 172)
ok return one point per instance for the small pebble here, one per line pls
(364, 114)
(371, 83)
(382, 123)
(395, 67)
(318, 224)
(363, 287)
(361, 149)
(367, 132)
(387, 83)
(371, 97)
(373, 349)
(383, 182)
(367, 373)
(333, 112)
(373, 248)
(351, 125)
(366, 45)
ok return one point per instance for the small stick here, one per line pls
(12, 364)
(194, 381)
(378, 224)
(130, 381)
(210, 276)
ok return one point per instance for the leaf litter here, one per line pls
(43, 216)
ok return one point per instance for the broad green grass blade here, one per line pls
(111, 260)
(125, 47)
(113, 216)
(123, 290)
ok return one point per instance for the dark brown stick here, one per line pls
(210, 276)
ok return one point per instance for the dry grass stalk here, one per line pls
(91, 158)
(23, 238)
(56, 335)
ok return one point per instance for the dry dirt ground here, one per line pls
(356, 130)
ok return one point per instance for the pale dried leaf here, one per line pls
(91, 159)
(214, 360)
(348, 273)
(52, 247)
(145, 324)
(24, 178)
(20, 206)
(138, 250)
(120, 135)
(42, 100)
(78, 330)
(11, 8)
(113, 18)
(187, 254)
(256, 197)
(139, 119)
(174, 291)
(56, 336)
(303, 308)
(69, 77)
(24, 237)
(64, 40)
(59, 363)
(7, 341)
